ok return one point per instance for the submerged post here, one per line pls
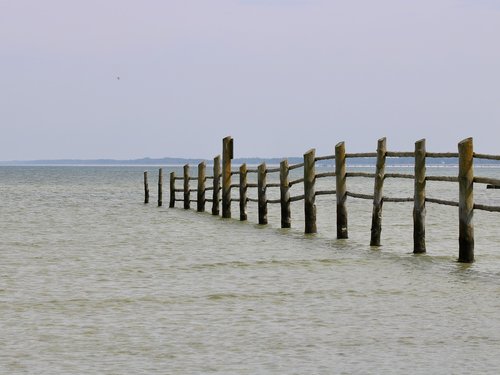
(187, 193)
(419, 199)
(377, 194)
(216, 185)
(172, 190)
(341, 190)
(160, 187)
(285, 195)
(466, 201)
(146, 188)
(200, 201)
(227, 155)
(262, 198)
(309, 191)
(243, 192)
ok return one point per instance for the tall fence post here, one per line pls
(172, 190)
(243, 192)
(341, 190)
(262, 197)
(227, 155)
(216, 185)
(187, 193)
(377, 194)
(309, 191)
(160, 187)
(146, 188)
(200, 199)
(419, 199)
(285, 195)
(466, 201)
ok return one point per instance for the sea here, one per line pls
(94, 281)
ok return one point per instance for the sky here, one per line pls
(124, 79)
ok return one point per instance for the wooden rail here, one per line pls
(465, 180)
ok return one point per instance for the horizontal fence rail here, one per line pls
(222, 187)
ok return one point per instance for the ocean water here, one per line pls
(93, 281)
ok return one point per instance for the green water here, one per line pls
(92, 281)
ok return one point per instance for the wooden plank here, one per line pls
(419, 210)
(376, 228)
(466, 201)
(286, 221)
(359, 196)
(325, 174)
(200, 201)
(326, 157)
(172, 189)
(325, 192)
(361, 155)
(309, 192)
(146, 188)
(187, 193)
(261, 181)
(442, 155)
(399, 154)
(243, 192)
(486, 180)
(297, 198)
(227, 155)
(341, 190)
(160, 187)
(361, 174)
(295, 166)
(486, 156)
(442, 178)
(216, 186)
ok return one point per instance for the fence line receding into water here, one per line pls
(223, 184)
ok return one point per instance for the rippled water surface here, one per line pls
(92, 281)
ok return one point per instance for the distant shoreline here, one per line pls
(176, 162)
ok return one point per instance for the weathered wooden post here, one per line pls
(172, 190)
(160, 187)
(227, 155)
(187, 193)
(341, 190)
(285, 195)
(216, 185)
(146, 188)
(243, 192)
(200, 200)
(466, 201)
(377, 194)
(309, 191)
(419, 199)
(262, 197)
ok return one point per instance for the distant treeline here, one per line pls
(249, 161)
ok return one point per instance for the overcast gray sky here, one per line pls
(280, 76)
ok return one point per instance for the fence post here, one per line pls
(419, 199)
(227, 155)
(160, 187)
(285, 195)
(309, 191)
(243, 192)
(200, 201)
(466, 201)
(262, 198)
(377, 194)
(187, 193)
(341, 190)
(146, 188)
(216, 185)
(172, 190)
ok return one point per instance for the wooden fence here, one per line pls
(465, 179)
